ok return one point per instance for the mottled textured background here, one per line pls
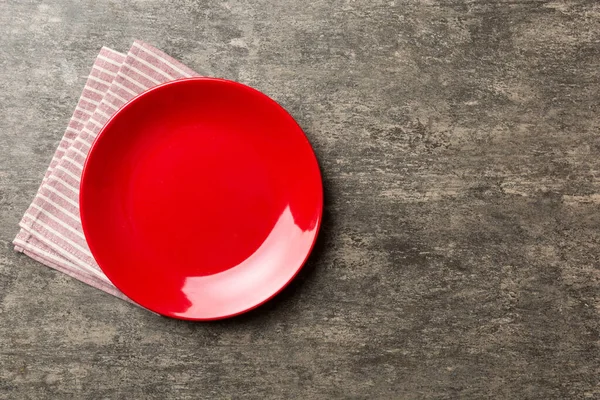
(459, 257)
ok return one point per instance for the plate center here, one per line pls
(214, 181)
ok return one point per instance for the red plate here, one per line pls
(201, 199)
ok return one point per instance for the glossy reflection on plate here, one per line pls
(201, 199)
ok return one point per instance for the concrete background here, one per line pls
(459, 257)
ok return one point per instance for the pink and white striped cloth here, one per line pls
(51, 230)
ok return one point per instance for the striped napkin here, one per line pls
(51, 230)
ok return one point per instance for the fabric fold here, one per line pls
(51, 231)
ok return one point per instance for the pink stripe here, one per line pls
(120, 93)
(52, 209)
(101, 86)
(86, 106)
(134, 88)
(143, 80)
(68, 234)
(154, 57)
(92, 95)
(64, 187)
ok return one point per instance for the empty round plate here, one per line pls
(201, 199)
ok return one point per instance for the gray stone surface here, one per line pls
(459, 257)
